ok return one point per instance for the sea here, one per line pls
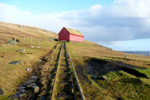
(144, 53)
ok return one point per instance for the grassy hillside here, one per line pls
(8, 31)
(110, 75)
(104, 74)
(12, 75)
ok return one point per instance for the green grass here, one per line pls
(126, 86)
(120, 85)
(145, 71)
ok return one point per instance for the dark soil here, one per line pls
(97, 67)
(79, 70)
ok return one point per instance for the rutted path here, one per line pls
(52, 79)
(63, 87)
(39, 84)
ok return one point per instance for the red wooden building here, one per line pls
(67, 34)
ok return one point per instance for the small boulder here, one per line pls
(29, 86)
(34, 77)
(20, 50)
(37, 47)
(33, 84)
(15, 62)
(125, 56)
(1, 92)
(11, 42)
(46, 59)
(29, 70)
(36, 89)
(22, 95)
(105, 77)
(32, 46)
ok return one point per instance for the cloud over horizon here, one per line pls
(121, 21)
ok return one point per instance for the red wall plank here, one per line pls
(64, 35)
(76, 38)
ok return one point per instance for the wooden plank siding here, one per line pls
(67, 34)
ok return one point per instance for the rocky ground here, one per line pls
(40, 80)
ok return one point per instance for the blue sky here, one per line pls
(47, 6)
(118, 24)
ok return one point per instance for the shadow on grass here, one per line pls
(131, 80)
(97, 67)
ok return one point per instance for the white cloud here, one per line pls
(94, 10)
(123, 20)
(12, 14)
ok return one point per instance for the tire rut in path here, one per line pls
(63, 87)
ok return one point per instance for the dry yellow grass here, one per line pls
(12, 75)
(89, 49)
(8, 31)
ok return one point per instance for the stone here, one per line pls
(36, 89)
(32, 46)
(125, 56)
(105, 77)
(1, 92)
(29, 70)
(29, 86)
(20, 50)
(31, 81)
(21, 95)
(37, 47)
(11, 42)
(46, 59)
(33, 84)
(22, 89)
(15, 62)
(34, 77)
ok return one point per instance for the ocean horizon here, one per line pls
(144, 53)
